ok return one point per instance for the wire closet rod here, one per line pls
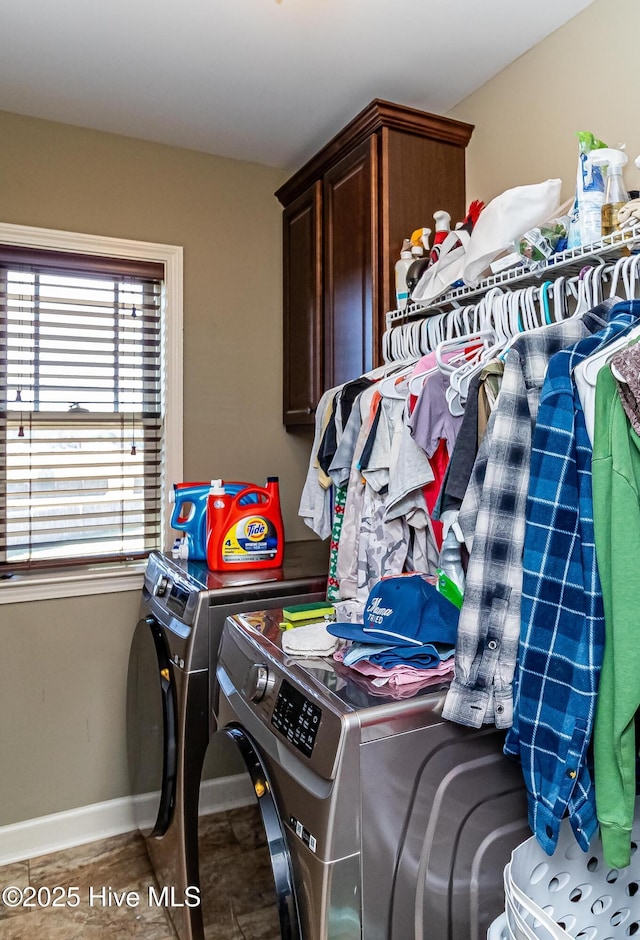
(533, 303)
(565, 263)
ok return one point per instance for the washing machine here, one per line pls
(172, 661)
(358, 813)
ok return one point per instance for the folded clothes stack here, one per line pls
(408, 634)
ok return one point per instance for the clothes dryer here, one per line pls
(370, 816)
(172, 661)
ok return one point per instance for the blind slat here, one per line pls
(71, 262)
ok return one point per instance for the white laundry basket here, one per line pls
(499, 929)
(571, 894)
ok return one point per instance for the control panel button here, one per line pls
(296, 718)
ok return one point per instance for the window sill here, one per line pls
(73, 582)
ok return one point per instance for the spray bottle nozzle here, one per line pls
(614, 159)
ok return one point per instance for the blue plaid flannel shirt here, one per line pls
(562, 630)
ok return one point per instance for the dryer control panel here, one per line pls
(296, 718)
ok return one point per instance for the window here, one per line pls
(84, 390)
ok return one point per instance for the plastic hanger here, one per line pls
(594, 363)
(580, 288)
(389, 386)
(545, 289)
(559, 299)
(492, 335)
(435, 330)
(630, 276)
(615, 275)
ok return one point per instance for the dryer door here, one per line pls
(246, 880)
(151, 728)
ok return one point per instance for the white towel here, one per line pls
(310, 640)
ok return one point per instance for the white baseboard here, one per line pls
(46, 834)
(224, 793)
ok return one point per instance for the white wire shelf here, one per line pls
(567, 263)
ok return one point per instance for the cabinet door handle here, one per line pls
(311, 409)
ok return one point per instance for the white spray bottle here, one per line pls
(401, 268)
(615, 194)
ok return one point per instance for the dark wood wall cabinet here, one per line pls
(345, 215)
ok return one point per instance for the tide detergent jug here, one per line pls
(189, 515)
(244, 530)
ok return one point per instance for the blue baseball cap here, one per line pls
(403, 611)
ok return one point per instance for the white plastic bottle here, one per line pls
(402, 266)
(615, 194)
(443, 227)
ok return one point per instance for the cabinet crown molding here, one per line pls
(377, 115)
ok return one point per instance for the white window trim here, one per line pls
(126, 576)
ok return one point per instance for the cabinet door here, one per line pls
(302, 307)
(350, 272)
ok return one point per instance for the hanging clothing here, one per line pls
(431, 420)
(465, 450)
(492, 519)
(490, 382)
(339, 472)
(410, 475)
(562, 617)
(616, 515)
(625, 367)
(347, 556)
(315, 500)
(333, 585)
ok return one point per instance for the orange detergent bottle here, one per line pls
(244, 530)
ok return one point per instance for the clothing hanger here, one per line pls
(435, 330)
(559, 290)
(546, 288)
(592, 365)
(578, 287)
(491, 334)
(615, 275)
(630, 276)
(391, 384)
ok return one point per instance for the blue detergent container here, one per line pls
(189, 515)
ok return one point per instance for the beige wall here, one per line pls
(62, 691)
(62, 701)
(582, 77)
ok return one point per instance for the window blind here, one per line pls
(81, 425)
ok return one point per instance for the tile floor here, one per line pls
(236, 884)
(120, 862)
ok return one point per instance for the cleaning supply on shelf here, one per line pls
(538, 244)
(615, 193)
(443, 227)
(189, 516)
(401, 268)
(420, 253)
(586, 215)
(420, 239)
(244, 530)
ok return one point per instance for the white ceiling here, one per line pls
(258, 80)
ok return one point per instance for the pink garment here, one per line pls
(401, 674)
(426, 364)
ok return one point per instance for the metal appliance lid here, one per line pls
(304, 562)
(338, 685)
